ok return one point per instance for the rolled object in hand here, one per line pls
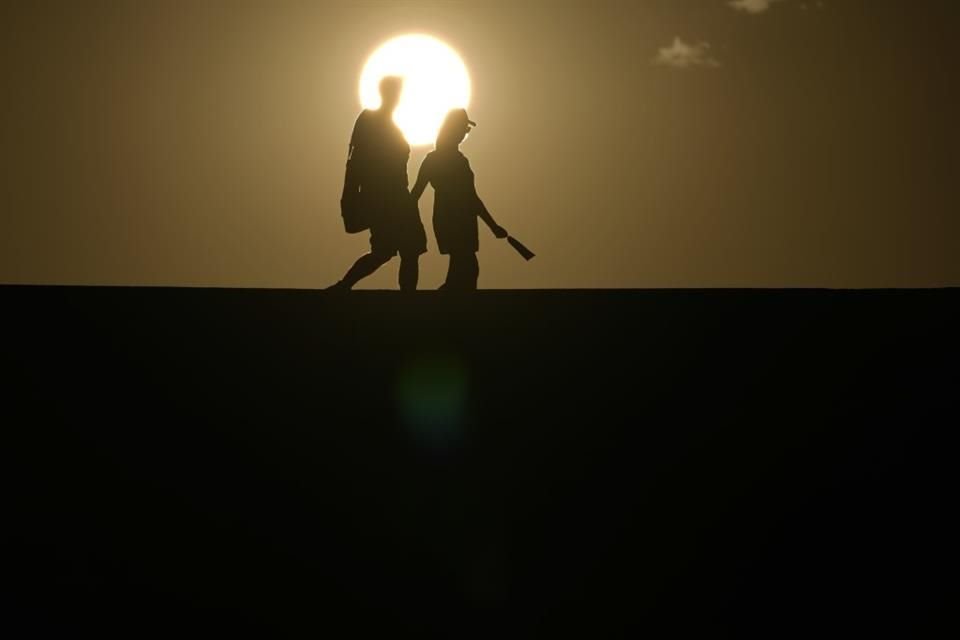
(522, 250)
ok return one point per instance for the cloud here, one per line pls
(755, 7)
(682, 55)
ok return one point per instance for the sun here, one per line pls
(435, 81)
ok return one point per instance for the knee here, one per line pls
(409, 264)
(471, 264)
(380, 258)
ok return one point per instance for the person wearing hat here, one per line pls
(375, 195)
(456, 203)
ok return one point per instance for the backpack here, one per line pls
(351, 202)
(353, 212)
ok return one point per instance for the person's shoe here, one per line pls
(338, 287)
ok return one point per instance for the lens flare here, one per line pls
(432, 399)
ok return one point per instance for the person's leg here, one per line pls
(362, 268)
(453, 268)
(409, 271)
(463, 273)
(471, 271)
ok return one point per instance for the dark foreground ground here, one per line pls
(214, 462)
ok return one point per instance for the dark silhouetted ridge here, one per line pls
(591, 462)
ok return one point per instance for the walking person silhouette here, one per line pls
(375, 194)
(456, 203)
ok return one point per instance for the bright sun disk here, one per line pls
(435, 81)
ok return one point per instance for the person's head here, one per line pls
(455, 128)
(391, 88)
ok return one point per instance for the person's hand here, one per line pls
(499, 232)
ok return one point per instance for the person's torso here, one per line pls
(453, 183)
(382, 153)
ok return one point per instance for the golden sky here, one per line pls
(653, 143)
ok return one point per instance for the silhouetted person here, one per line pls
(375, 193)
(456, 203)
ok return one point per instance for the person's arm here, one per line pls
(484, 215)
(423, 178)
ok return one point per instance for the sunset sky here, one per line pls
(634, 143)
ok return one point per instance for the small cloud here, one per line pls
(755, 7)
(682, 55)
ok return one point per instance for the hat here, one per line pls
(459, 116)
